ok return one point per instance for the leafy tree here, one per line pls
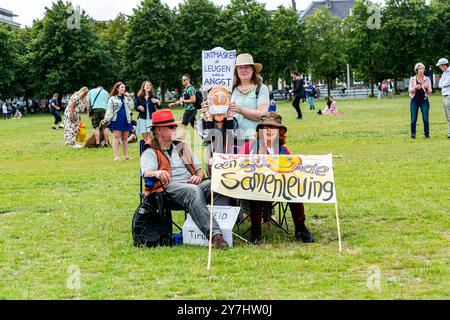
(9, 63)
(404, 33)
(326, 45)
(150, 49)
(438, 30)
(288, 50)
(196, 22)
(65, 57)
(246, 28)
(365, 47)
(112, 34)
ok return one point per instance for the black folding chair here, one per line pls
(267, 216)
(169, 204)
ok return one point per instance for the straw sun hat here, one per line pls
(246, 59)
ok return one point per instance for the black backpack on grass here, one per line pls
(152, 225)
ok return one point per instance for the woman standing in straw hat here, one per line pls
(250, 97)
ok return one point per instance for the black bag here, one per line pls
(198, 99)
(152, 225)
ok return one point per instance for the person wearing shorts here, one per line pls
(187, 101)
(98, 103)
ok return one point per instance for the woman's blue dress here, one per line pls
(121, 123)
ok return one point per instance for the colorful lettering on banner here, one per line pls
(283, 178)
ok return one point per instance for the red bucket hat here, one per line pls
(162, 118)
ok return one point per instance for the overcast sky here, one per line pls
(28, 10)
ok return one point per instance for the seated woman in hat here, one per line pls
(250, 97)
(271, 139)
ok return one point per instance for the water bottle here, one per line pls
(177, 239)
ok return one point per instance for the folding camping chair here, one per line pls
(169, 204)
(281, 223)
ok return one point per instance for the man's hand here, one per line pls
(163, 176)
(195, 180)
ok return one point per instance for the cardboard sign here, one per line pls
(219, 100)
(218, 68)
(280, 178)
(225, 216)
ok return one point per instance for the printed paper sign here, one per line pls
(277, 178)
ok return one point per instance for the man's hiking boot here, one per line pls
(219, 242)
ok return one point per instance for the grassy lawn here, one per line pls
(63, 207)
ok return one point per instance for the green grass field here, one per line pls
(62, 207)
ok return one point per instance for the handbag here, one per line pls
(152, 224)
(81, 135)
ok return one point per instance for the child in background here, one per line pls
(132, 137)
(272, 106)
(18, 114)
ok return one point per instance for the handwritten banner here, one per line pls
(291, 178)
(218, 68)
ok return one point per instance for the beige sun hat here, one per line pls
(246, 59)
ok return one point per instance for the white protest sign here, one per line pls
(225, 216)
(218, 68)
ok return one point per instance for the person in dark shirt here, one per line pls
(54, 110)
(298, 92)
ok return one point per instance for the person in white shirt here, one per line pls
(5, 111)
(444, 84)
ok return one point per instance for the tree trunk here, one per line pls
(163, 94)
(329, 86)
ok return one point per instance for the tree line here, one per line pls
(160, 44)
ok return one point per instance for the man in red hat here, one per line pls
(175, 168)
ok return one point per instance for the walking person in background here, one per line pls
(146, 104)
(419, 89)
(272, 106)
(384, 88)
(317, 95)
(54, 110)
(310, 92)
(118, 115)
(187, 101)
(298, 91)
(72, 116)
(444, 84)
(5, 111)
(97, 104)
(286, 92)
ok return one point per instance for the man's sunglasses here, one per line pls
(172, 127)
